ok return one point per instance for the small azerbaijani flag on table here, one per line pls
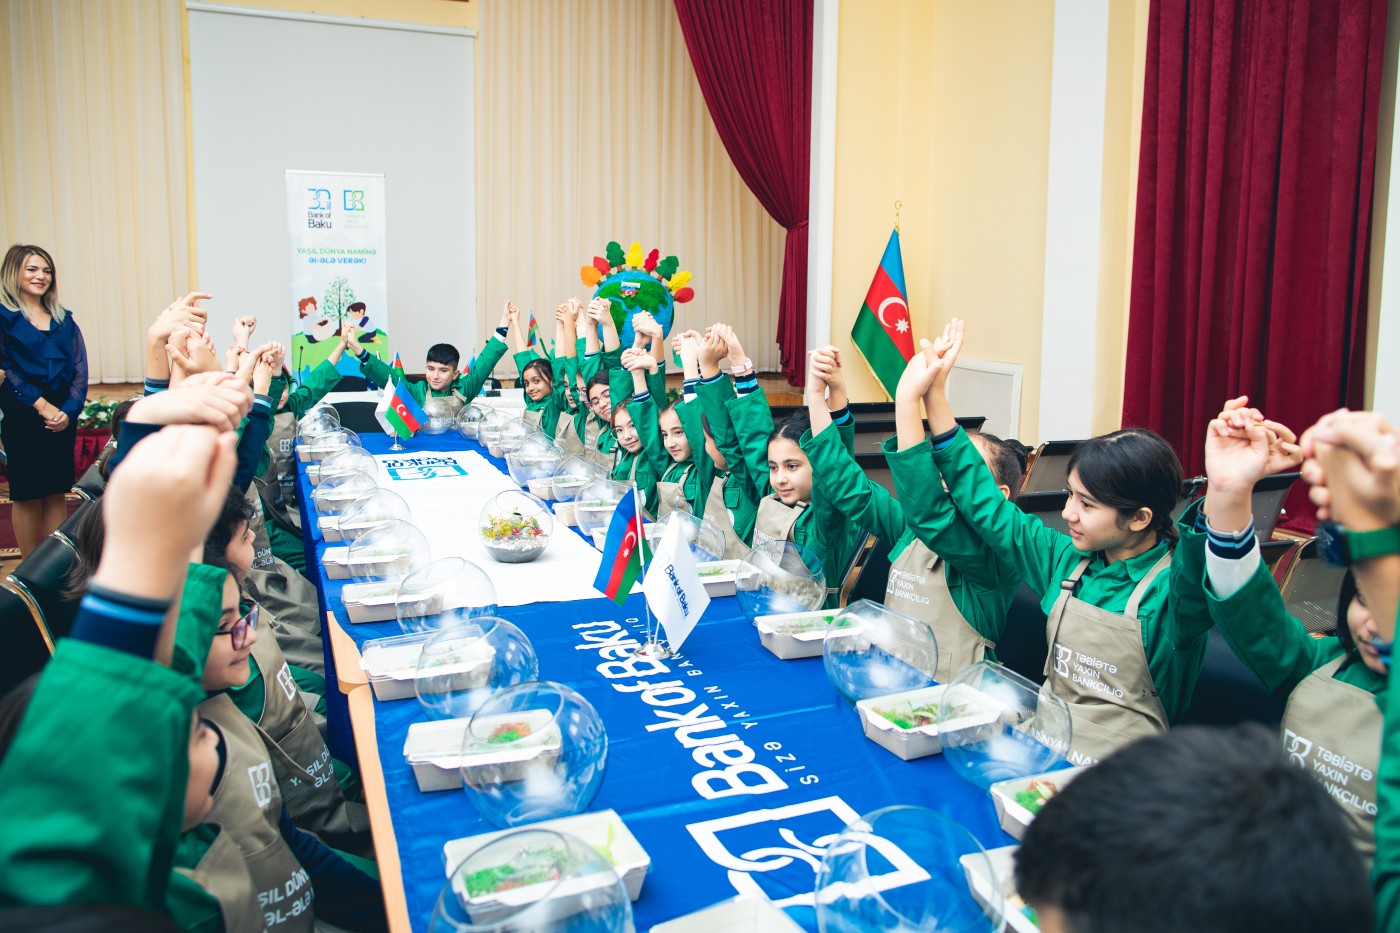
(624, 552)
(467, 366)
(397, 364)
(398, 412)
(882, 332)
(533, 333)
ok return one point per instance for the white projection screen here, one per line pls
(273, 91)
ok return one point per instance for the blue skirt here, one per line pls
(40, 460)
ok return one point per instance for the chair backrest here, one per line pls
(27, 648)
(873, 576)
(845, 580)
(1049, 469)
(351, 384)
(1227, 692)
(91, 484)
(42, 577)
(68, 531)
(1045, 506)
(1267, 502)
(1191, 490)
(1278, 556)
(1022, 646)
(358, 417)
(1311, 589)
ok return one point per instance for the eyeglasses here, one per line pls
(242, 627)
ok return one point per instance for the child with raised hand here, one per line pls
(781, 473)
(440, 376)
(109, 763)
(1126, 623)
(182, 311)
(545, 383)
(731, 503)
(941, 573)
(592, 425)
(1335, 686)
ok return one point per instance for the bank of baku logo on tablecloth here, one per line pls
(777, 852)
(409, 468)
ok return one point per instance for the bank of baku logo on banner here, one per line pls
(777, 852)
(408, 468)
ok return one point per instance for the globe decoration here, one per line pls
(634, 282)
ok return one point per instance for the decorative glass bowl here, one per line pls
(388, 552)
(904, 868)
(462, 666)
(320, 446)
(371, 509)
(871, 651)
(704, 537)
(347, 460)
(446, 593)
(488, 431)
(321, 419)
(572, 475)
(441, 412)
(535, 459)
(1031, 735)
(533, 879)
(779, 577)
(469, 420)
(595, 504)
(515, 527)
(534, 752)
(514, 433)
(335, 493)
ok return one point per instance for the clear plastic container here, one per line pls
(703, 536)
(335, 493)
(595, 504)
(535, 459)
(371, 509)
(442, 413)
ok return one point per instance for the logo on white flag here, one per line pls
(672, 587)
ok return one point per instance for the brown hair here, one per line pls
(9, 280)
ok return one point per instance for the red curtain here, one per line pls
(1253, 212)
(754, 62)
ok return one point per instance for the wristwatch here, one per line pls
(1342, 547)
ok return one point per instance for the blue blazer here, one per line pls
(49, 363)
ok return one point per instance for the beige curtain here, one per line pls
(92, 161)
(592, 128)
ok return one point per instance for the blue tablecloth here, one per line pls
(803, 735)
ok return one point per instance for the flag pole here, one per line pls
(654, 648)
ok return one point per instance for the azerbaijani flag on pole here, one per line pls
(397, 364)
(467, 367)
(533, 333)
(624, 552)
(882, 332)
(399, 412)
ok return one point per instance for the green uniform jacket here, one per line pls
(696, 474)
(557, 401)
(822, 528)
(738, 486)
(1174, 615)
(467, 385)
(1385, 871)
(589, 366)
(981, 585)
(92, 791)
(319, 382)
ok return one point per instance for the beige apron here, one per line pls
(277, 486)
(718, 512)
(222, 875)
(775, 521)
(1098, 666)
(532, 418)
(248, 805)
(918, 587)
(670, 497)
(566, 436)
(1333, 730)
(262, 544)
(289, 607)
(302, 760)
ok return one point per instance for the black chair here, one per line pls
(1278, 556)
(27, 646)
(846, 578)
(1227, 691)
(1191, 490)
(1049, 467)
(68, 531)
(1312, 588)
(91, 484)
(1046, 506)
(1022, 646)
(874, 574)
(351, 384)
(41, 579)
(358, 417)
(875, 466)
(1267, 502)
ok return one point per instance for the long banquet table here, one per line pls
(710, 833)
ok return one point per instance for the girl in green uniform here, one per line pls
(1126, 621)
(731, 498)
(590, 432)
(789, 508)
(545, 382)
(940, 572)
(1335, 686)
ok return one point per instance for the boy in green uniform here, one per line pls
(441, 378)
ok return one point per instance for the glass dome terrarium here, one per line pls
(321, 419)
(703, 536)
(335, 493)
(906, 868)
(535, 459)
(371, 509)
(488, 431)
(348, 460)
(534, 752)
(515, 527)
(572, 475)
(461, 667)
(1028, 731)
(514, 433)
(388, 552)
(534, 879)
(469, 421)
(777, 578)
(595, 503)
(871, 651)
(447, 592)
(442, 413)
(321, 446)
